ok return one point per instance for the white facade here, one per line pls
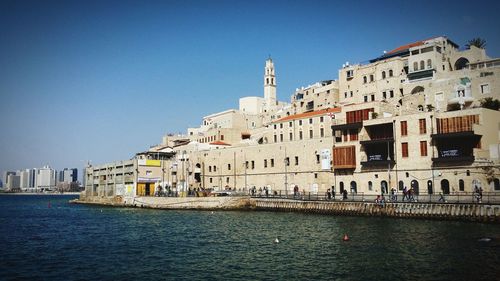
(46, 178)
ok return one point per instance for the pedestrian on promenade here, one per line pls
(405, 193)
(344, 194)
(441, 197)
(328, 195)
(394, 197)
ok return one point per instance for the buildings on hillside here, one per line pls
(41, 179)
(414, 117)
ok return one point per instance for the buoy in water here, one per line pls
(346, 238)
(276, 240)
(485, 239)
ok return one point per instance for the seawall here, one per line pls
(445, 211)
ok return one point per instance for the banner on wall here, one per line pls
(326, 159)
(150, 163)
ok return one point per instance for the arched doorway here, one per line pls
(341, 186)
(383, 187)
(354, 188)
(461, 63)
(414, 185)
(429, 187)
(417, 90)
(445, 186)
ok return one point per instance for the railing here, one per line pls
(462, 197)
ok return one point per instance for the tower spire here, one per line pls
(269, 84)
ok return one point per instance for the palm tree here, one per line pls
(476, 42)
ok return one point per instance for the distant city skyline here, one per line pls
(100, 80)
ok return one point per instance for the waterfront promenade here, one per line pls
(464, 208)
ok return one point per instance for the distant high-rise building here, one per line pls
(46, 178)
(13, 182)
(24, 178)
(5, 178)
(32, 178)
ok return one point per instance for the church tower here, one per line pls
(269, 84)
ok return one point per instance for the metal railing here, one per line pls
(461, 197)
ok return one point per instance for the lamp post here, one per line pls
(388, 167)
(286, 174)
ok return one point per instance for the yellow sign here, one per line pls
(151, 163)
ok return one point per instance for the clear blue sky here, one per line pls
(102, 80)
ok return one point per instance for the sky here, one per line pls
(102, 80)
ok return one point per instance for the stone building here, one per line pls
(412, 117)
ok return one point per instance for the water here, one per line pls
(78, 242)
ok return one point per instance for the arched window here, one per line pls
(445, 186)
(383, 74)
(370, 186)
(272, 81)
(354, 187)
(364, 79)
(420, 108)
(422, 65)
(383, 187)
(267, 80)
(461, 185)
(415, 66)
(429, 187)
(496, 184)
(401, 185)
(461, 63)
(390, 73)
(429, 64)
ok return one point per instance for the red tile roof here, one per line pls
(309, 114)
(411, 45)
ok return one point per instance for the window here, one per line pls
(485, 88)
(391, 93)
(274, 126)
(422, 65)
(371, 77)
(364, 79)
(350, 73)
(290, 124)
(275, 138)
(317, 158)
(272, 162)
(423, 148)
(215, 168)
(315, 175)
(221, 137)
(300, 135)
(296, 160)
(253, 164)
(422, 126)
(496, 183)
(265, 163)
(353, 135)
(429, 64)
(383, 74)
(321, 119)
(287, 161)
(345, 95)
(384, 95)
(300, 122)
(246, 164)
(365, 98)
(227, 180)
(370, 186)
(351, 94)
(229, 167)
(281, 137)
(415, 66)
(281, 125)
(209, 169)
(344, 134)
(461, 185)
(310, 121)
(310, 134)
(210, 180)
(291, 136)
(404, 128)
(321, 132)
(390, 73)
(373, 97)
(404, 149)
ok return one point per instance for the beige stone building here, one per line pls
(409, 118)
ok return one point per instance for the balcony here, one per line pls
(454, 159)
(340, 124)
(367, 141)
(424, 74)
